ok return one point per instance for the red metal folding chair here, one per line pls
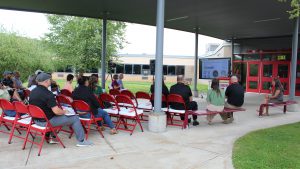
(114, 92)
(177, 99)
(82, 108)
(144, 101)
(131, 96)
(22, 120)
(65, 102)
(163, 100)
(36, 112)
(66, 92)
(7, 121)
(130, 113)
(114, 110)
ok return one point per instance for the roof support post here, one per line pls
(195, 91)
(232, 56)
(103, 55)
(294, 60)
(157, 119)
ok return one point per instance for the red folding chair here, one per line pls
(36, 112)
(177, 99)
(82, 108)
(144, 101)
(114, 92)
(65, 102)
(130, 113)
(22, 120)
(26, 94)
(7, 121)
(131, 96)
(163, 100)
(66, 92)
(114, 110)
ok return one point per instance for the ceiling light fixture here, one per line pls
(178, 18)
(266, 20)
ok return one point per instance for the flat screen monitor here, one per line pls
(214, 68)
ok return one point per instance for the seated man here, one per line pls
(185, 91)
(235, 98)
(45, 99)
(82, 92)
(4, 94)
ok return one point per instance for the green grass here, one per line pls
(274, 148)
(137, 86)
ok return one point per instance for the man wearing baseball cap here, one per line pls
(45, 99)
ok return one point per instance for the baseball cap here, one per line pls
(42, 77)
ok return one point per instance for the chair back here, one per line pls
(36, 112)
(175, 98)
(63, 99)
(114, 92)
(20, 108)
(142, 95)
(123, 99)
(81, 107)
(163, 98)
(130, 95)
(6, 105)
(66, 92)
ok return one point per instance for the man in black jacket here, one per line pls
(82, 92)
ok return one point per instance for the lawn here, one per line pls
(137, 86)
(274, 148)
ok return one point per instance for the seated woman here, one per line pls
(82, 92)
(276, 96)
(114, 83)
(69, 81)
(165, 92)
(9, 95)
(215, 99)
(93, 85)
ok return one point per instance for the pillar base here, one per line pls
(195, 93)
(292, 108)
(157, 122)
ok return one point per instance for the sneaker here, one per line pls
(53, 141)
(195, 123)
(84, 143)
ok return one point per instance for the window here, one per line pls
(253, 70)
(283, 71)
(128, 69)
(120, 68)
(179, 70)
(267, 70)
(171, 70)
(137, 69)
(165, 70)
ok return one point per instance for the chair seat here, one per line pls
(85, 119)
(25, 120)
(113, 110)
(176, 111)
(145, 105)
(164, 109)
(130, 112)
(38, 127)
(9, 118)
(142, 101)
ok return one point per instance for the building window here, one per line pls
(179, 70)
(120, 68)
(137, 69)
(283, 71)
(171, 70)
(165, 69)
(128, 69)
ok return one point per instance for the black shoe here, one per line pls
(195, 123)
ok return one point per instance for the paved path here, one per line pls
(204, 146)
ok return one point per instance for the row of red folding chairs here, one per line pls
(24, 121)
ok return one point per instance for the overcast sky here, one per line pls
(140, 38)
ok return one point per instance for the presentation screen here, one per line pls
(213, 68)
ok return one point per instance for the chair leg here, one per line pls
(138, 120)
(88, 130)
(71, 129)
(98, 128)
(42, 142)
(26, 137)
(119, 122)
(135, 123)
(11, 133)
(61, 143)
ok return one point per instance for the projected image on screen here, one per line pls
(212, 68)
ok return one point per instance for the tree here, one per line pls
(77, 40)
(24, 54)
(295, 11)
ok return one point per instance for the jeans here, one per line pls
(104, 115)
(66, 121)
(10, 113)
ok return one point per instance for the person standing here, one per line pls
(185, 91)
(235, 98)
(68, 85)
(120, 82)
(114, 83)
(215, 99)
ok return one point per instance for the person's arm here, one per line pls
(58, 111)
(190, 94)
(52, 103)
(93, 99)
(16, 96)
(277, 92)
(208, 97)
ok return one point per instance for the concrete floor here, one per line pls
(204, 146)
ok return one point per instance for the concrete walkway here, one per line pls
(204, 146)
